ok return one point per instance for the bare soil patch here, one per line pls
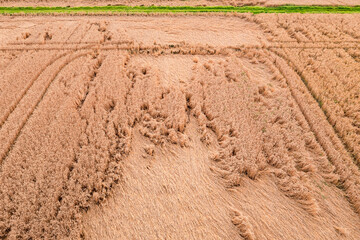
(195, 127)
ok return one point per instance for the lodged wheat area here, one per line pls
(180, 127)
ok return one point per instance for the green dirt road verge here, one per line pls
(180, 9)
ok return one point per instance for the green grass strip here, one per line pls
(181, 9)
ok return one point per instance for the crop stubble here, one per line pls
(116, 128)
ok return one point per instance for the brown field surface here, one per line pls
(73, 3)
(180, 127)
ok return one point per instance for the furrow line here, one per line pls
(5, 150)
(182, 51)
(326, 136)
(14, 105)
(68, 43)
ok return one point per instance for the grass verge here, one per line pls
(181, 9)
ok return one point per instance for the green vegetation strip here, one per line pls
(181, 9)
